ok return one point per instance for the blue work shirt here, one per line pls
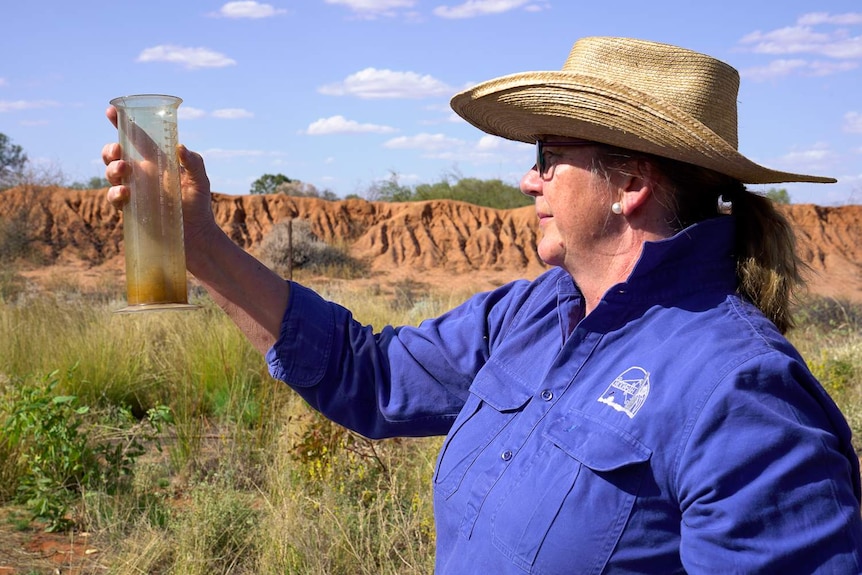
(671, 430)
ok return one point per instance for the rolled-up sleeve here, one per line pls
(405, 381)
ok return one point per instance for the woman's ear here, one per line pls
(638, 185)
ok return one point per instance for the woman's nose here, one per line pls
(531, 183)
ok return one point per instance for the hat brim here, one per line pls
(527, 106)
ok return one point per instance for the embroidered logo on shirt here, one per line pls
(628, 392)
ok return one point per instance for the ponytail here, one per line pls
(767, 265)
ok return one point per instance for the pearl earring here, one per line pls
(617, 208)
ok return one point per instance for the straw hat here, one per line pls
(634, 94)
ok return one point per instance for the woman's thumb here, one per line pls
(192, 165)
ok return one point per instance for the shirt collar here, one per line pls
(697, 262)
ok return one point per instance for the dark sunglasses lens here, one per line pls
(540, 158)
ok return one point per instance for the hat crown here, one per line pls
(701, 86)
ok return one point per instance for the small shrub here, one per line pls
(829, 314)
(835, 374)
(12, 284)
(17, 236)
(408, 293)
(329, 453)
(292, 245)
(216, 532)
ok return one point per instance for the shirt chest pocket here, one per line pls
(565, 506)
(494, 400)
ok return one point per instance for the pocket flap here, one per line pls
(499, 388)
(597, 445)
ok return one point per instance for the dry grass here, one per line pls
(250, 480)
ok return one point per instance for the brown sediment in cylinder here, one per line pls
(155, 286)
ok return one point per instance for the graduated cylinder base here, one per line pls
(155, 263)
(155, 273)
(157, 307)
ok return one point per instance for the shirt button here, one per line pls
(547, 395)
(506, 455)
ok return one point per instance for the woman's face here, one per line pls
(573, 206)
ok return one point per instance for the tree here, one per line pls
(13, 160)
(94, 183)
(778, 195)
(389, 190)
(299, 189)
(488, 193)
(268, 183)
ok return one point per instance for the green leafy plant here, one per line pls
(59, 454)
(53, 450)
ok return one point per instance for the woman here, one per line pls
(636, 408)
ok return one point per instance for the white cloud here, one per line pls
(490, 143)
(249, 9)
(817, 158)
(774, 69)
(341, 125)
(221, 153)
(487, 150)
(189, 113)
(802, 38)
(423, 142)
(853, 122)
(779, 68)
(815, 18)
(232, 114)
(372, 83)
(20, 105)
(821, 68)
(536, 7)
(492, 149)
(473, 8)
(806, 156)
(788, 40)
(374, 8)
(426, 142)
(185, 56)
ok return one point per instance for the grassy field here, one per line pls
(161, 441)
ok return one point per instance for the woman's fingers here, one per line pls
(111, 113)
(118, 196)
(115, 168)
(115, 171)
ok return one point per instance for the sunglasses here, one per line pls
(541, 164)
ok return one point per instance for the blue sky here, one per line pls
(343, 93)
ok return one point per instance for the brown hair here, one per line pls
(768, 269)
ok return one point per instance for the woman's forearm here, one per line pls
(251, 294)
